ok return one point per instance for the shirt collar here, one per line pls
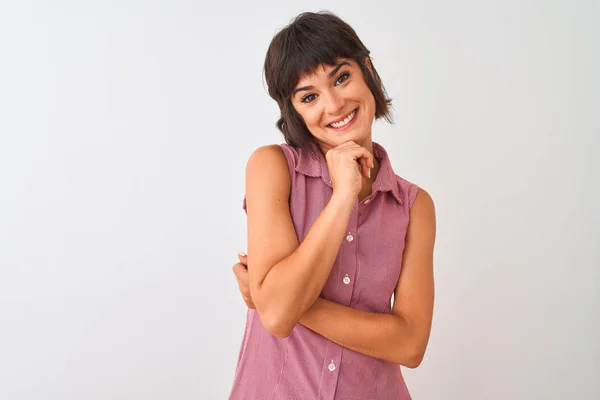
(316, 166)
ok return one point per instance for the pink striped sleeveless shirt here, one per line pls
(306, 365)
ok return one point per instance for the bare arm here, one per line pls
(285, 277)
(402, 336)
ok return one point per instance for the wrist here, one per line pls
(343, 198)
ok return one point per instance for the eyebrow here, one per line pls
(329, 75)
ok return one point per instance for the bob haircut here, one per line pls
(311, 40)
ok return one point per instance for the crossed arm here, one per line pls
(402, 336)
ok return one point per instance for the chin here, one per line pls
(356, 134)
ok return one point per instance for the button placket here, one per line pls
(331, 371)
(331, 366)
(348, 271)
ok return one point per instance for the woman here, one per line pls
(333, 233)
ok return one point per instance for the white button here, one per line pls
(331, 366)
(349, 237)
(346, 279)
(367, 201)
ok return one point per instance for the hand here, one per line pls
(346, 163)
(241, 274)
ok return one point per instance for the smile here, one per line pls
(345, 122)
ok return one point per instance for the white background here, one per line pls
(124, 133)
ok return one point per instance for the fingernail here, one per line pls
(241, 253)
(369, 172)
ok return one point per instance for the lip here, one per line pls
(348, 125)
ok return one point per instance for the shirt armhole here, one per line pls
(412, 195)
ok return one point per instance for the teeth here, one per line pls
(345, 121)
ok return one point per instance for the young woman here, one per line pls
(333, 233)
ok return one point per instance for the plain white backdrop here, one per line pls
(125, 128)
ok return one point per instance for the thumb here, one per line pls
(243, 258)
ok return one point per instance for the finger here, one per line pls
(361, 166)
(361, 152)
(237, 268)
(249, 302)
(241, 273)
(243, 257)
(343, 146)
(347, 144)
(240, 270)
(247, 298)
(369, 157)
(364, 169)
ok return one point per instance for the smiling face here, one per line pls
(336, 104)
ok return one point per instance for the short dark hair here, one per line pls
(310, 40)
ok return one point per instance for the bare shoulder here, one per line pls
(269, 151)
(267, 175)
(422, 215)
(423, 202)
(267, 159)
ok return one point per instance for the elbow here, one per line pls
(277, 326)
(411, 351)
(280, 331)
(414, 360)
(276, 322)
(411, 358)
(279, 317)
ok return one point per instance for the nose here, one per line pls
(334, 103)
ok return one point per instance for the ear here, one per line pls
(369, 65)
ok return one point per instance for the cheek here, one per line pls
(370, 100)
(368, 95)
(311, 117)
(362, 92)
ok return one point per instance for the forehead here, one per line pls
(320, 71)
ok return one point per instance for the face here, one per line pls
(336, 104)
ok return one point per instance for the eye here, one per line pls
(308, 98)
(311, 96)
(345, 77)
